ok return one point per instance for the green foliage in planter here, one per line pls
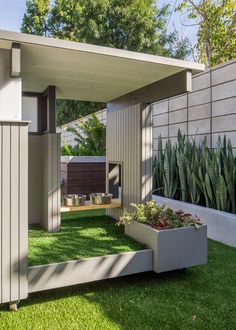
(159, 217)
(201, 175)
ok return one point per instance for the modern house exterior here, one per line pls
(34, 72)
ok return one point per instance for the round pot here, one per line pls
(74, 200)
(100, 198)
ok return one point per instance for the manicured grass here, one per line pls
(83, 235)
(202, 297)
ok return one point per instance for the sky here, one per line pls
(12, 11)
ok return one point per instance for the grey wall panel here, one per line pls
(224, 123)
(199, 112)
(23, 212)
(35, 178)
(201, 81)
(224, 91)
(224, 73)
(5, 199)
(202, 126)
(173, 129)
(14, 211)
(160, 107)
(129, 140)
(179, 116)
(177, 103)
(199, 97)
(224, 107)
(124, 145)
(161, 120)
(51, 196)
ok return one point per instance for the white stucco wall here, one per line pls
(10, 90)
(30, 112)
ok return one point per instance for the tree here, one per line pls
(122, 24)
(90, 137)
(69, 110)
(216, 38)
(35, 20)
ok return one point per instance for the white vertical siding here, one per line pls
(13, 211)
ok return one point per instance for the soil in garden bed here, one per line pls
(83, 234)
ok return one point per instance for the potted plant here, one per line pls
(178, 239)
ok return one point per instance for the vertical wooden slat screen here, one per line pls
(51, 182)
(129, 140)
(13, 211)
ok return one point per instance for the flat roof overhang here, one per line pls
(88, 72)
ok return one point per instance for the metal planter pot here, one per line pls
(172, 248)
(101, 198)
(74, 200)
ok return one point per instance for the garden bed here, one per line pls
(83, 234)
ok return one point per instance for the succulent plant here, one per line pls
(197, 174)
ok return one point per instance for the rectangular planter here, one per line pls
(221, 226)
(172, 248)
(62, 274)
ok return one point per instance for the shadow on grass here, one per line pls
(202, 297)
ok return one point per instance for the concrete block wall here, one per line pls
(209, 110)
(68, 137)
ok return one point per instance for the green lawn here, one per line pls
(203, 297)
(83, 234)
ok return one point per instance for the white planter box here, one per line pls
(221, 226)
(172, 248)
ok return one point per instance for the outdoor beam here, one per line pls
(15, 60)
(176, 84)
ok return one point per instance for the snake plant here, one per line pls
(197, 174)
